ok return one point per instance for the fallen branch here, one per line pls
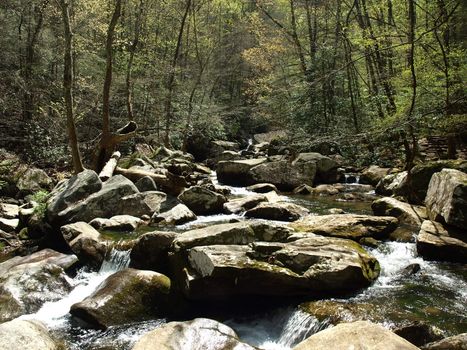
(109, 168)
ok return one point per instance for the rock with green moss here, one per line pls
(437, 242)
(314, 266)
(446, 199)
(360, 335)
(406, 213)
(126, 296)
(198, 334)
(350, 226)
(26, 283)
(22, 334)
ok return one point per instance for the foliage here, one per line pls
(40, 198)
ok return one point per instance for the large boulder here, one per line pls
(86, 242)
(456, 342)
(198, 334)
(21, 334)
(26, 283)
(239, 205)
(314, 266)
(126, 296)
(373, 174)
(178, 215)
(117, 223)
(436, 242)
(446, 199)
(105, 203)
(143, 203)
(237, 172)
(360, 335)
(415, 186)
(350, 226)
(326, 167)
(391, 184)
(406, 213)
(280, 211)
(202, 201)
(151, 250)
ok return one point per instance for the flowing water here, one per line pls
(436, 294)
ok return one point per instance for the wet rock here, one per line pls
(34, 180)
(335, 311)
(9, 211)
(151, 250)
(241, 233)
(20, 334)
(457, 342)
(418, 333)
(126, 296)
(446, 199)
(239, 205)
(369, 242)
(406, 213)
(143, 203)
(436, 242)
(86, 243)
(391, 184)
(202, 201)
(262, 188)
(237, 172)
(105, 203)
(350, 226)
(277, 211)
(117, 223)
(326, 190)
(336, 211)
(410, 270)
(9, 225)
(314, 266)
(373, 174)
(146, 184)
(360, 335)
(198, 334)
(26, 283)
(178, 215)
(303, 189)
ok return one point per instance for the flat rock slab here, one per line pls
(198, 334)
(117, 223)
(314, 266)
(360, 335)
(436, 242)
(350, 226)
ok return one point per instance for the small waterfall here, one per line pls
(352, 179)
(117, 260)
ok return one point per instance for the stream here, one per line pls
(435, 295)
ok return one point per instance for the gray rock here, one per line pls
(391, 184)
(277, 211)
(314, 266)
(406, 213)
(26, 283)
(71, 231)
(146, 184)
(373, 174)
(20, 335)
(71, 191)
(262, 188)
(126, 296)
(34, 180)
(88, 245)
(144, 203)
(435, 242)
(178, 215)
(117, 223)
(350, 226)
(198, 334)
(237, 172)
(9, 211)
(303, 189)
(151, 250)
(235, 206)
(446, 199)
(202, 201)
(360, 335)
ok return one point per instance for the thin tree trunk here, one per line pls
(68, 89)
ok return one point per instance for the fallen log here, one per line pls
(169, 183)
(110, 166)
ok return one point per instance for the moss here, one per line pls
(23, 234)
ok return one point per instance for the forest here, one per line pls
(233, 174)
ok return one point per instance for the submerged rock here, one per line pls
(436, 242)
(202, 201)
(360, 335)
(20, 334)
(199, 334)
(126, 296)
(406, 213)
(26, 283)
(446, 199)
(277, 211)
(350, 226)
(312, 266)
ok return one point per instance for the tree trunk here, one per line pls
(68, 89)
